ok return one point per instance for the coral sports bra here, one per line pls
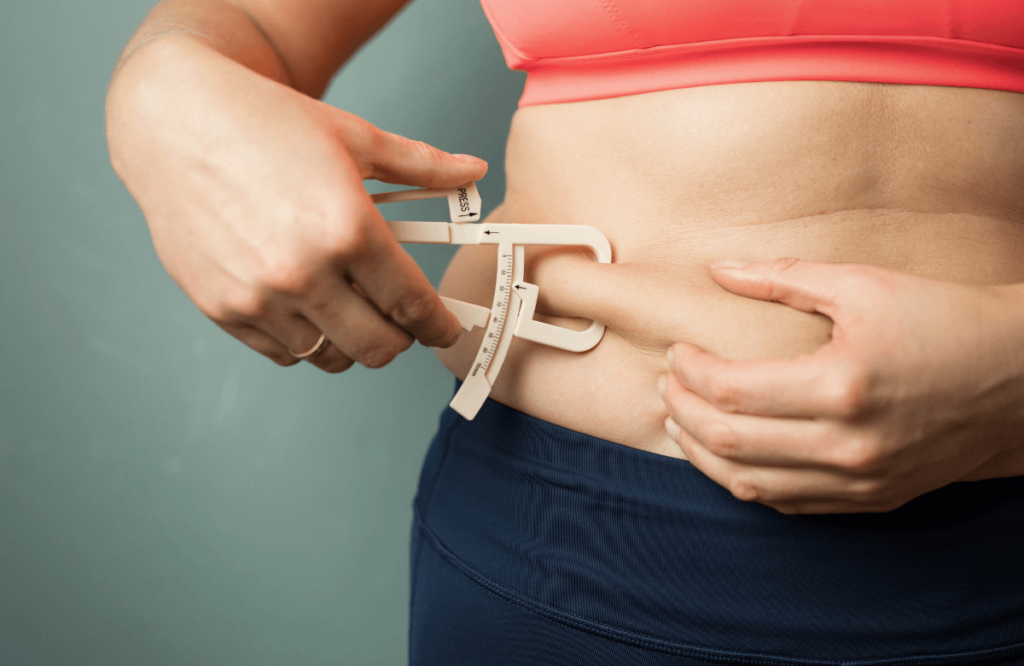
(574, 50)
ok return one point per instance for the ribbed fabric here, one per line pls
(575, 50)
(534, 544)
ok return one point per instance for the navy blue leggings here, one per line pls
(534, 544)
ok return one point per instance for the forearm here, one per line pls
(300, 43)
(184, 50)
(225, 29)
(190, 56)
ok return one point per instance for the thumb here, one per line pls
(391, 158)
(804, 285)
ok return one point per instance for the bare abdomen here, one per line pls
(924, 180)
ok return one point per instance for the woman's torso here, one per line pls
(925, 180)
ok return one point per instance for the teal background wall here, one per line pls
(168, 496)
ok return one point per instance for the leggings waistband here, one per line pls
(648, 544)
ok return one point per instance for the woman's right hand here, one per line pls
(253, 194)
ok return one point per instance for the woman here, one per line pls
(816, 307)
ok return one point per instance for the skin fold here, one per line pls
(901, 204)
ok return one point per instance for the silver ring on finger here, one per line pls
(319, 346)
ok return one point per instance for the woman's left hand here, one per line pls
(921, 385)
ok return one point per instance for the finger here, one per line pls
(259, 341)
(395, 159)
(277, 342)
(396, 286)
(572, 284)
(804, 285)
(281, 328)
(353, 325)
(787, 489)
(759, 440)
(327, 356)
(813, 385)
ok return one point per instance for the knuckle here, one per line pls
(860, 454)
(364, 142)
(423, 151)
(284, 360)
(723, 392)
(859, 281)
(338, 365)
(214, 310)
(376, 359)
(245, 304)
(380, 143)
(379, 356)
(866, 490)
(861, 274)
(286, 276)
(719, 438)
(846, 391)
(779, 267)
(336, 225)
(348, 237)
(743, 488)
(427, 157)
(334, 364)
(414, 311)
(385, 150)
(783, 264)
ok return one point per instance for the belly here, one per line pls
(919, 179)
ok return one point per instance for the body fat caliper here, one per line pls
(514, 300)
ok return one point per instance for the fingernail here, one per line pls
(729, 263)
(668, 357)
(467, 158)
(662, 383)
(672, 428)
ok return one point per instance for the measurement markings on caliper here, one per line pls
(497, 322)
(512, 313)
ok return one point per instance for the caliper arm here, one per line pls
(515, 301)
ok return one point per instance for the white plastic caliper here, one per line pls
(514, 300)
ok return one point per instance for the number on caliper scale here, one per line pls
(498, 314)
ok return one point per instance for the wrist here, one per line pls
(177, 97)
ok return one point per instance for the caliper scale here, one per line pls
(515, 301)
